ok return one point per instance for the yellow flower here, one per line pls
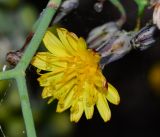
(73, 76)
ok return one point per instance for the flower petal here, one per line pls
(112, 95)
(49, 78)
(73, 35)
(89, 112)
(46, 61)
(88, 102)
(54, 45)
(82, 44)
(63, 88)
(99, 79)
(76, 111)
(47, 92)
(103, 107)
(66, 102)
(62, 33)
(73, 41)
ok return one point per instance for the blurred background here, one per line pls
(136, 76)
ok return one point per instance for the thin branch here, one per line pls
(9, 74)
(19, 71)
(25, 105)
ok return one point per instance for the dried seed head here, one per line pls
(146, 37)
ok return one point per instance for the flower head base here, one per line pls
(73, 76)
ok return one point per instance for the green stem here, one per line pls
(8, 74)
(41, 29)
(121, 9)
(141, 7)
(119, 6)
(142, 4)
(25, 105)
(19, 72)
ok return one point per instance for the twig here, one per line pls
(18, 72)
